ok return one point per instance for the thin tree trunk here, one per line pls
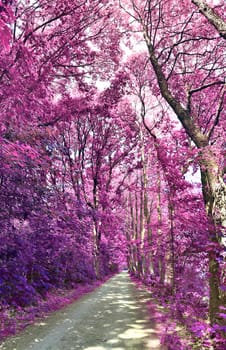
(141, 235)
(160, 245)
(172, 248)
(133, 252)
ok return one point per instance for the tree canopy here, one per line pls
(112, 149)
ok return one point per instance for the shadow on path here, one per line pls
(112, 317)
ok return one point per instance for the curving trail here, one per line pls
(112, 317)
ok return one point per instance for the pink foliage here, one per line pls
(96, 170)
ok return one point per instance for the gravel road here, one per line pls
(112, 317)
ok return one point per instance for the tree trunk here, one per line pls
(172, 252)
(161, 253)
(212, 195)
(132, 235)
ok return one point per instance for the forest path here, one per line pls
(114, 317)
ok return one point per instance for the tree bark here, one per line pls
(172, 244)
(162, 265)
(212, 17)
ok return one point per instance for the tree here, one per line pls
(186, 57)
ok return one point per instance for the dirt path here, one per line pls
(112, 317)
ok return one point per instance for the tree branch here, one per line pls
(220, 82)
(183, 115)
(220, 109)
(213, 18)
(50, 123)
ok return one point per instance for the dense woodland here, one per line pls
(112, 151)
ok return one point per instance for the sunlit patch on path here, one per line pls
(112, 317)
